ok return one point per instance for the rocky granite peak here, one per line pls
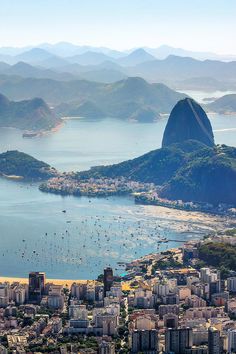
(187, 121)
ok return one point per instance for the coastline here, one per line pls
(201, 207)
(57, 127)
(64, 282)
(65, 185)
(54, 129)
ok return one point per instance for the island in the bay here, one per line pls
(188, 172)
(18, 165)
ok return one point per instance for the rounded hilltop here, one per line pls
(188, 121)
(189, 166)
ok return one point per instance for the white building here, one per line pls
(56, 297)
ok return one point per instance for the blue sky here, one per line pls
(203, 25)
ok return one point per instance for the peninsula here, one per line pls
(188, 172)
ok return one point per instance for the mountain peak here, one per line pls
(188, 121)
(34, 55)
(136, 57)
(139, 51)
(22, 64)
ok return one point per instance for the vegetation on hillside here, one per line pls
(29, 114)
(219, 255)
(208, 176)
(121, 99)
(189, 171)
(20, 164)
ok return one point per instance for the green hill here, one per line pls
(29, 114)
(125, 98)
(188, 167)
(218, 254)
(189, 171)
(121, 99)
(20, 164)
(208, 176)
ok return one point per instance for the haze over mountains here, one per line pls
(124, 99)
(130, 99)
(65, 49)
(100, 82)
(31, 114)
(177, 68)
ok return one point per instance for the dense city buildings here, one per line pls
(144, 341)
(164, 303)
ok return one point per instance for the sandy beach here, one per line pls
(188, 221)
(64, 282)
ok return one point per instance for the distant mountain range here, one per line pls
(65, 49)
(127, 98)
(98, 82)
(133, 98)
(23, 69)
(164, 51)
(123, 99)
(175, 68)
(29, 114)
(100, 65)
(204, 83)
(45, 58)
(136, 57)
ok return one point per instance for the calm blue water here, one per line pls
(82, 144)
(36, 235)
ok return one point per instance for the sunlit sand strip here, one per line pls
(63, 282)
(181, 220)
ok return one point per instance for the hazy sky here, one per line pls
(204, 25)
